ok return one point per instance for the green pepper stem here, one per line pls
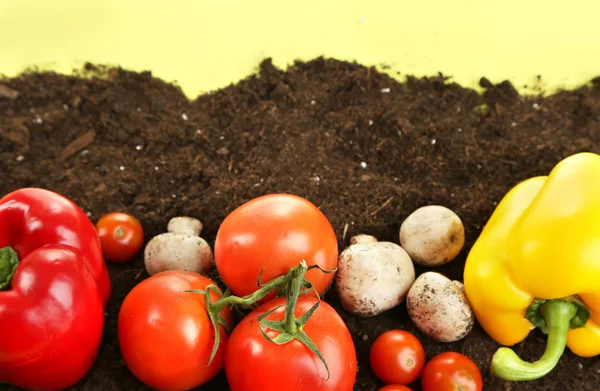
(558, 315)
(9, 260)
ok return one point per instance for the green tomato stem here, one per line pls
(295, 286)
(291, 285)
(229, 300)
(558, 316)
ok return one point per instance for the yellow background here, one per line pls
(208, 44)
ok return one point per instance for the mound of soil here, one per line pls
(364, 148)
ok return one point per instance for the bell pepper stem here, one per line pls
(558, 315)
(9, 261)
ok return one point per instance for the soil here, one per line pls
(364, 148)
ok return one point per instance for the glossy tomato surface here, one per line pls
(253, 363)
(397, 357)
(275, 233)
(121, 236)
(451, 371)
(165, 334)
(395, 387)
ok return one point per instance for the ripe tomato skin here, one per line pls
(253, 363)
(450, 370)
(275, 232)
(397, 357)
(121, 236)
(165, 334)
(395, 387)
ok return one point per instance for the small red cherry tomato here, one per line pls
(397, 357)
(451, 371)
(121, 236)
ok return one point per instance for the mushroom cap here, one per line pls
(432, 235)
(363, 239)
(185, 225)
(373, 277)
(173, 251)
(439, 307)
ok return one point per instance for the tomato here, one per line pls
(397, 357)
(395, 387)
(451, 371)
(274, 232)
(121, 236)
(253, 363)
(165, 334)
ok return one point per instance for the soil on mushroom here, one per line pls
(325, 130)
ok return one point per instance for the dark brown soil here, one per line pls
(325, 130)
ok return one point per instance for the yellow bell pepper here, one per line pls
(537, 264)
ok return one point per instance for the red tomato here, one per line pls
(165, 333)
(121, 236)
(395, 387)
(275, 233)
(253, 363)
(397, 357)
(451, 371)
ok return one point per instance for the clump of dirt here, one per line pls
(364, 148)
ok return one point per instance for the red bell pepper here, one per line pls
(54, 287)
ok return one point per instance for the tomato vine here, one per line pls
(291, 286)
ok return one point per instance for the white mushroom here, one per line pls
(432, 235)
(185, 225)
(363, 239)
(439, 307)
(373, 276)
(179, 249)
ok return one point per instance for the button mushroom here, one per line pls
(373, 276)
(439, 307)
(181, 248)
(432, 235)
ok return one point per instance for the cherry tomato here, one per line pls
(451, 371)
(165, 334)
(121, 236)
(395, 387)
(253, 363)
(397, 357)
(275, 233)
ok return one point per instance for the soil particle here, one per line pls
(380, 149)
